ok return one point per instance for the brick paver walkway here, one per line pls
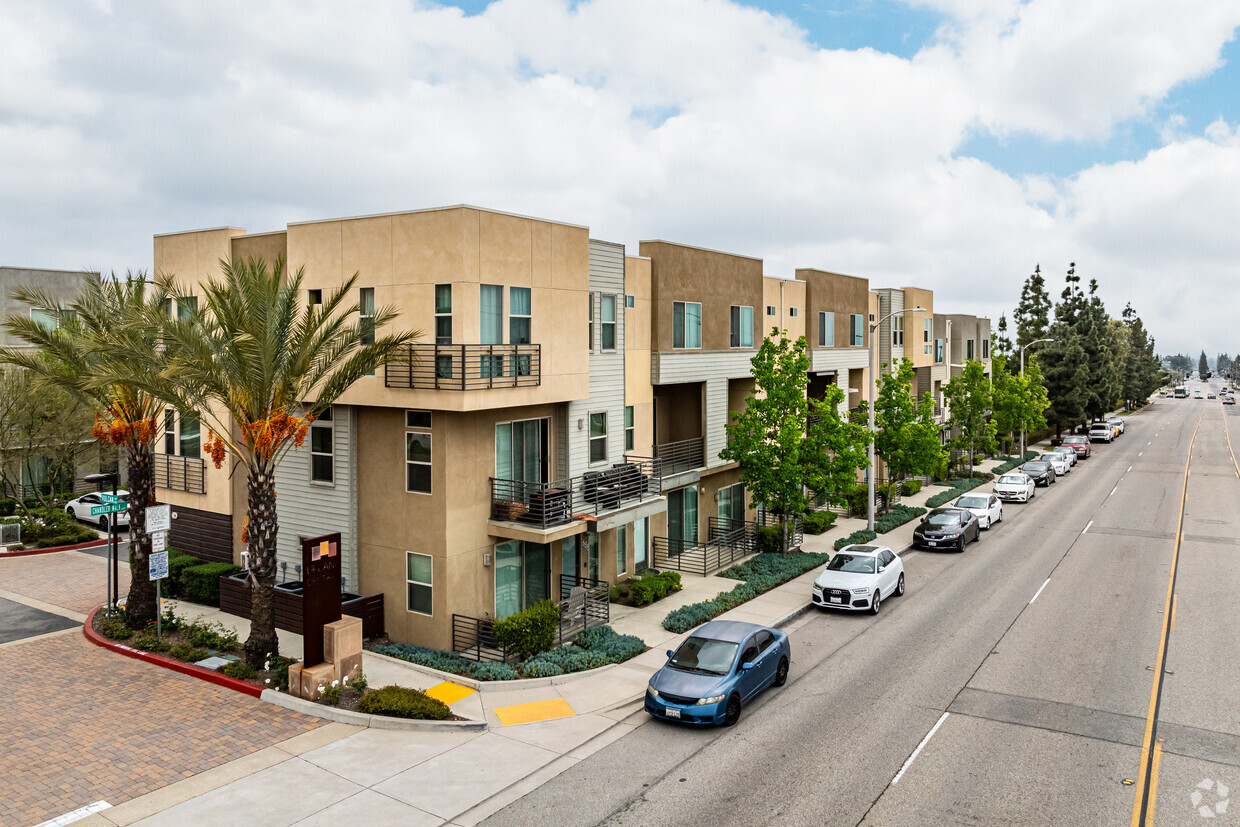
(71, 579)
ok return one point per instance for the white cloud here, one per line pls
(699, 121)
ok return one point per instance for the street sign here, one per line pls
(110, 508)
(158, 518)
(110, 498)
(159, 541)
(158, 565)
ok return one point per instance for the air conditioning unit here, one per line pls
(10, 534)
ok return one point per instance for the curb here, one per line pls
(53, 550)
(360, 719)
(492, 686)
(167, 663)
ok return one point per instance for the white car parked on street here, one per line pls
(1069, 452)
(986, 507)
(1017, 487)
(80, 509)
(1058, 461)
(858, 577)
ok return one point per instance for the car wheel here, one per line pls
(876, 602)
(987, 526)
(900, 585)
(1000, 516)
(103, 523)
(71, 513)
(781, 672)
(733, 712)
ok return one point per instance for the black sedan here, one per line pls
(947, 528)
(1042, 473)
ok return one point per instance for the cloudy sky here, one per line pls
(949, 144)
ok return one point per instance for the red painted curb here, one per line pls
(53, 549)
(190, 669)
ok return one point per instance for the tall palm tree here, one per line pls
(85, 353)
(261, 364)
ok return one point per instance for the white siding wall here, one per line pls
(716, 419)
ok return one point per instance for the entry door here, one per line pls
(641, 541)
(570, 561)
(521, 574)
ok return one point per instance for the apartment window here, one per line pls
(321, 443)
(519, 450)
(682, 522)
(622, 549)
(897, 330)
(792, 311)
(491, 327)
(628, 428)
(926, 349)
(170, 432)
(628, 301)
(771, 311)
(741, 327)
(590, 296)
(190, 430)
(598, 437)
(314, 298)
(968, 348)
(985, 348)
(686, 324)
(826, 330)
(419, 574)
(417, 453)
(856, 330)
(443, 315)
(366, 314)
(47, 321)
(519, 315)
(731, 501)
(938, 350)
(187, 306)
(608, 318)
(925, 333)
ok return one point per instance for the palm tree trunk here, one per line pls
(140, 607)
(261, 544)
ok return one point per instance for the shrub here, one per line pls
(958, 488)
(896, 517)
(115, 628)
(537, 668)
(818, 522)
(761, 574)
(242, 671)
(211, 635)
(530, 631)
(148, 642)
(49, 527)
(359, 681)
(434, 658)
(858, 499)
(769, 539)
(619, 592)
(278, 669)
(178, 562)
(187, 653)
(8, 508)
(651, 587)
(490, 672)
(331, 694)
(861, 536)
(201, 584)
(909, 487)
(402, 702)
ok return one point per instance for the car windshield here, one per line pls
(971, 502)
(1035, 466)
(851, 562)
(1013, 479)
(1051, 457)
(1074, 440)
(943, 519)
(705, 655)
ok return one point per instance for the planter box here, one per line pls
(235, 599)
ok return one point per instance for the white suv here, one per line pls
(1101, 431)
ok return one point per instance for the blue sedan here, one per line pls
(719, 668)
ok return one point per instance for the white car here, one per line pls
(1117, 422)
(1016, 487)
(858, 577)
(986, 507)
(1101, 431)
(1058, 461)
(80, 509)
(1069, 452)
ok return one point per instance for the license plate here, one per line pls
(672, 713)
(837, 600)
(932, 543)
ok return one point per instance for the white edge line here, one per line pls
(1139, 453)
(1091, 522)
(1113, 490)
(1129, 469)
(929, 735)
(1035, 597)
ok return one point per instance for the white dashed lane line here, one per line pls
(917, 751)
(1091, 522)
(1039, 591)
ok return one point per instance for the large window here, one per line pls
(519, 304)
(856, 330)
(938, 350)
(731, 505)
(419, 576)
(628, 428)
(47, 321)
(443, 314)
(985, 348)
(607, 316)
(826, 330)
(491, 327)
(741, 327)
(598, 437)
(519, 450)
(418, 452)
(897, 330)
(682, 523)
(622, 549)
(186, 307)
(686, 324)
(968, 348)
(190, 430)
(321, 458)
(522, 576)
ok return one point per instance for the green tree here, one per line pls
(906, 434)
(1032, 316)
(40, 425)
(786, 442)
(1003, 342)
(1203, 365)
(969, 396)
(1142, 369)
(87, 355)
(1019, 401)
(260, 364)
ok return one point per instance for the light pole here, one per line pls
(873, 385)
(1022, 374)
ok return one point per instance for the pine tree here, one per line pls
(1003, 342)
(1032, 316)
(1065, 367)
(1203, 367)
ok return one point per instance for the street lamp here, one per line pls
(1022, 373)
(114, 588)
(873, 392)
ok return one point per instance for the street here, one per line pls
(1028, 661)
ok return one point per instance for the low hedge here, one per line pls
(818, 522)
(403, 702)
(434, 658)
(651, 586)
(761, 574)
(1015, 462)
(896, 517)
(958, 488)
(201, 584)
(46, 528)
(178, 562)
(909, 487)
(530, 631)
(861, 536)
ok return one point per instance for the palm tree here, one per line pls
(85, 353)
(260, 364)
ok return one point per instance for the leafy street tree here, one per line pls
(1019, 401)
(1032, 316)
(88, 355)
(39, 424)
(786, 442)
(907, 435)
(260, 365)
(1203, 365)
(969, 396)
(1181, 363)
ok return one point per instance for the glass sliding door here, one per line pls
(519, 450)
(570, 560)
(641, 541)
(522, 575)
(491, 327)
(682, 515)
(592, 556)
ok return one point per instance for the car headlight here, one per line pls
(865, 590)
(652, 692)
(713, 699)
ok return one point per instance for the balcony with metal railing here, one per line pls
(464, 367)
(174, 473)
(677, 463)
(588, 498)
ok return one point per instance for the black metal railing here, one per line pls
(584, 602)
(796, 533)
(473, 638)
(464, 367)
(678, 457)
(728, 542)
(549, 504)
(186, 474)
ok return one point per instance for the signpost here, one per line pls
(107, 508)
(157, 568)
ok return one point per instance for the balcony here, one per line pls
(173, 473)
(464, 367)
(544, 506)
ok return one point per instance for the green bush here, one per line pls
(896, 517)
(858, 499)
(434, 658)
(818, 522)
(115, 628)
(530, 631)
(331, 694)
(278, 668)
(761, 574)
(178, 562)
(242, 671)
(360, 682)
(8, 508)
(201, 584)
(606, 641)
(958, 488)
(490, 672)
(148, 642)
(402, 702)
(211, 635)
(909, 487)
(861, 536)
(537, 668)
(651, 586)
(187, 653)
(47, 528)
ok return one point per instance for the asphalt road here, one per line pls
(1039, 708)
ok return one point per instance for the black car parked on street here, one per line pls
(947, 528)
(1042, 473)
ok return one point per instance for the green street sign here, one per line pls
(112, 499)
(110, 508)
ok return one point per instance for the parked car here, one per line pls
(858, 577)
(1041, 472)
(1116, 422)
(1068, 451)
(986, 507)
(1080, 444)
(719, 668)
(80, 508)
(947, 528)
(1017, 487)
(1101, 431)
(1058, 461)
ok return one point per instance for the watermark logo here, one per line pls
(1210, 798)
